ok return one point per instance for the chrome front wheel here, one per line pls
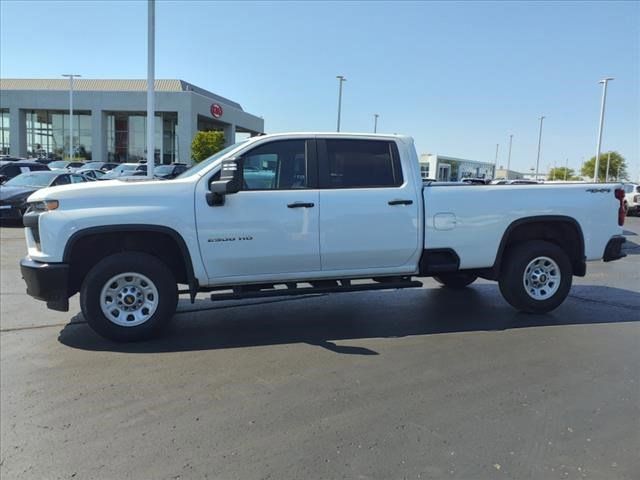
(129, 299)
(541, 278)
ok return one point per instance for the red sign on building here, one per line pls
(216, 110)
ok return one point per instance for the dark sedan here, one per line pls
(14, 193)
(169, 171)
(10, 169)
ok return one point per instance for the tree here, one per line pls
(562, 173)
(617, 161)
(205, 144)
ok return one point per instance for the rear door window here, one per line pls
(61, 180)
(360, 164)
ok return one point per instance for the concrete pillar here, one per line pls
(98, 135)
(18, 132)
(229, 134)
(185, 130)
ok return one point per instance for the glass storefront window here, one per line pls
(5, 140)
(48, 134)
(127, 137)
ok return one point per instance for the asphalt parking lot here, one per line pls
(422, 383)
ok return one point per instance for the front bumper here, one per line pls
(613, 250)
(48, 282)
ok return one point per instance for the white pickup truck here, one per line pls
(291, 214)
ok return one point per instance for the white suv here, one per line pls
(632, 198)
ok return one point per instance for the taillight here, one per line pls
(619, 193)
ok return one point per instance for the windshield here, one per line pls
(93, 165)
(216, 156)
(41, 179)
(58, 164)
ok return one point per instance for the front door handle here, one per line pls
(400, 202)
(301, 205)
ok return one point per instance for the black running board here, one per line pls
(239, 294)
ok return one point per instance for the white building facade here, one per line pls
(109, 118)
(444, 168)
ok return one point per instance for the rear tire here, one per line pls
(129, 296)
(455, 280)
(536, 276)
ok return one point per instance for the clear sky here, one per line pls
(458, 76)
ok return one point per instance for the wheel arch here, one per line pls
(125, 237)
(561, 230)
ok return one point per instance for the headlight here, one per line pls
(43, 206)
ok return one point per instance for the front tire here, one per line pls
(536, 276)
(129, 296)
(455, 280)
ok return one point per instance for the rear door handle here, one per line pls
(301, 205)
(400, 202)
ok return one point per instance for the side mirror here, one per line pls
(230, 182)
(3, 179)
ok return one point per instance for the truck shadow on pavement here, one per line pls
(322, 320)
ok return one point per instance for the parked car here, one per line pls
(58, 165)
(519, 181)
(14, 193)
(10, 169)
(122, 169)
(632, 198)
(91, 173)
(104, 166)
(9, 158)
(73, 166)
(169, 171)
(475, 181)
(339, 207)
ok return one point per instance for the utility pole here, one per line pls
(604, 83)
(539, 144)
(375, 122)
(509, 158)
(70, 76)
(341, 80)
(151, 115)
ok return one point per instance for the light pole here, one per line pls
(71, 76)
(151, 33)
(539, 144)
(604, 83)
(495, 167)
(341, 79)
(566, 169)
(375, 122)
(509, 157)
(606, 175)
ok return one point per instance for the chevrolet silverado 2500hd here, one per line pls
(289, 214)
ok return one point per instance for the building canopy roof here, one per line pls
(111, 85)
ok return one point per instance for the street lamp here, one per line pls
(539, 144)
(71, 76)
(375, 122)
(509, 157)
(495, 167)
(151, 34)
(341, 79)
(604, 83)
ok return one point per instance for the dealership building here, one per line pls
(451, 169)
(109, 118)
